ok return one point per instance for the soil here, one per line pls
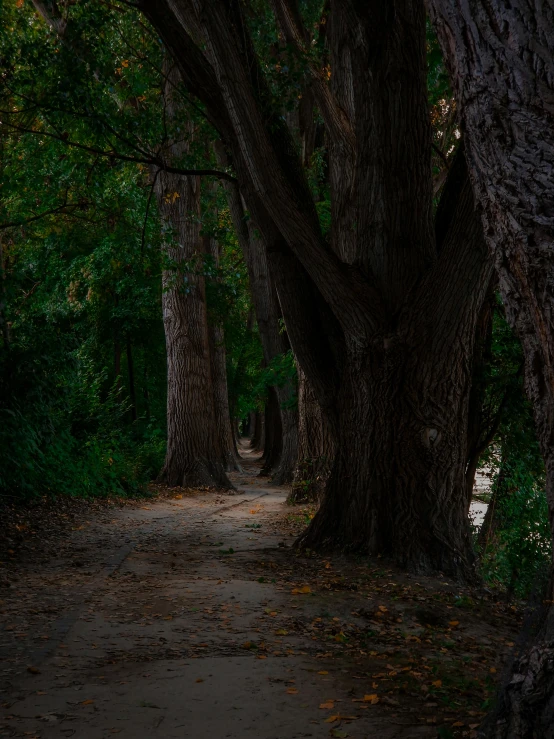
(190, 614)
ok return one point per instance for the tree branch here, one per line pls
(335, 118)
(155, 161)
(13, 224)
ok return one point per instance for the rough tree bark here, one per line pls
(316, 448)
(195, 455)
(501, 60)
(281, 455)
(218, 359)
(381, 318)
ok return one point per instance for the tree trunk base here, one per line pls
(352, 520)
(198, 475)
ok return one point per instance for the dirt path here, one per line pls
(190, 616)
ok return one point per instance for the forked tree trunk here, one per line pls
(402, 433)
(381, 319)
(501, 59)
(316, 449)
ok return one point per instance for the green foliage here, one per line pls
(518, 550)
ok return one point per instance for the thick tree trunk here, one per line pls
(194, 455)
(401, 436)
(382, 319)
(501, 60)
(316, 449)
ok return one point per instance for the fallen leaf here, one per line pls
(453, 623)
(323, 672)
(199, 680)
(88, 702)
(33, 670)
(437, 683)
(327, 705)
(292, 691)
(373, 699)
(302, 591)
(331, 719)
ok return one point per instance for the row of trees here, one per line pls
(377, 214)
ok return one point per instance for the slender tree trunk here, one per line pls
(273, 433)
(3, 300)
(274, 342)
(219, 374)
(145, 391)
(258, 438)
(501, 61)
(131, 373)
(117, 365)
(316, 449)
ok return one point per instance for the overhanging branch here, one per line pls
(151, 161)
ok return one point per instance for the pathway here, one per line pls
(190, 616)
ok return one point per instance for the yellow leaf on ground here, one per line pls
(88, 702)
(437, 683)
(323, 672)
(327, 704)
(302, 591)
(373, 699)
(331, 719)
(453, 623)
(292, 691)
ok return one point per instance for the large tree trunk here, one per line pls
(382, 318)
(194, 455)
(316, 448)
(501, 60)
